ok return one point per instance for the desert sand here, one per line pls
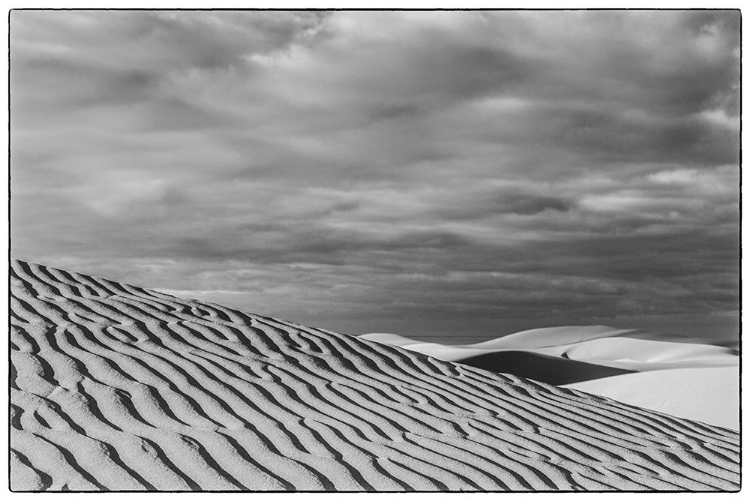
(118, 387)
(709, 394)
(690, 380)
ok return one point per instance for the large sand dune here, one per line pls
(708, 394)
(116, 387)
(689, 380)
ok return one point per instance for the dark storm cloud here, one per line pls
(425, 172)
(486, 203)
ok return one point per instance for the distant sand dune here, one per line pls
(708, 394)
(685, 379)
(544, 368)
(117, 387)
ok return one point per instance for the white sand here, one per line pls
(709, 395)
(116, 387)
(526, 340)
(673, 377)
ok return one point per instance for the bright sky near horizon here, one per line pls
(453, 175)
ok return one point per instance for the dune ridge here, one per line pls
(690, 380)
(123, 388)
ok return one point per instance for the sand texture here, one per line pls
(117, 387)
(689, 380)
(709, 394)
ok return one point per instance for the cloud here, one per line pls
(434, 171)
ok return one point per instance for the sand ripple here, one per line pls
(117, 387)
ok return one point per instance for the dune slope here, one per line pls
(544, 368)
(117, 387)
(689, 380)
(707, 394)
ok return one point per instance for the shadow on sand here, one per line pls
(544, 368)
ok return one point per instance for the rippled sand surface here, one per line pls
(118, 387)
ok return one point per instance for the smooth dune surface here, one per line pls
(708, 394)
(554, 336)
(690, 380)
(592, 344)
(546, 340)
(118, 387)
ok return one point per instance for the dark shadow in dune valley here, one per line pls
(544, 368)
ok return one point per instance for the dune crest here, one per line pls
(118, 387)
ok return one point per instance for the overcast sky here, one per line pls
(455, 175)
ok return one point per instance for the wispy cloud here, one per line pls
(438, 172)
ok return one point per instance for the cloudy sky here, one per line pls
(446, 175)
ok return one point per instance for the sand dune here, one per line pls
(637, 352)
(534, 340)
(679, 380)
(544, 368)
(553, 336)
(708, 394)
(117, 387)
(592, 344)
